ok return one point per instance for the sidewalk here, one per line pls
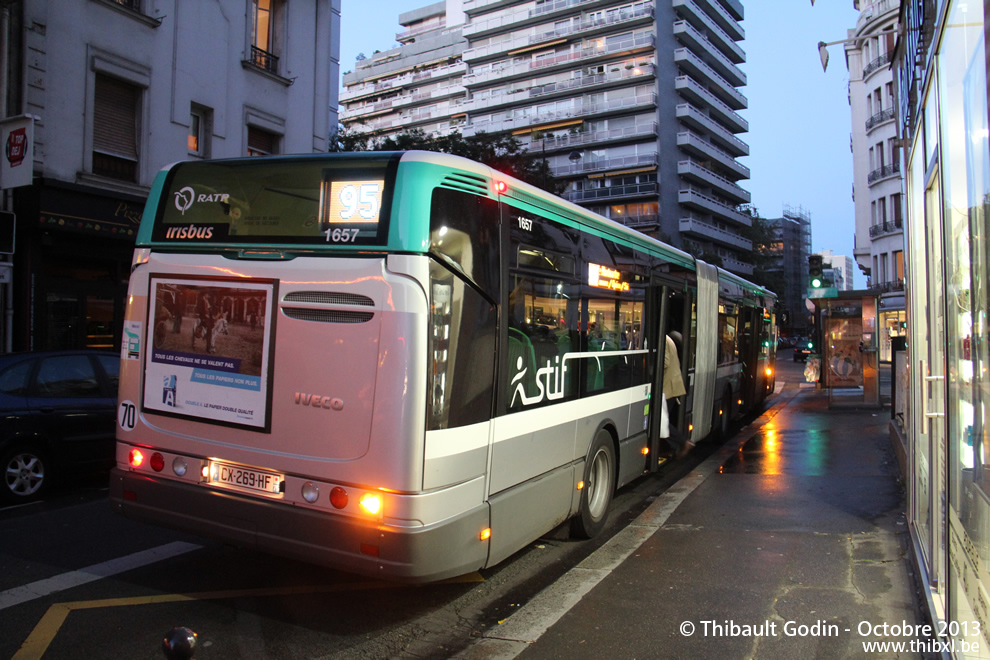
(790, 542)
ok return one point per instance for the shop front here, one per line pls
(948, 186)
(72, 261)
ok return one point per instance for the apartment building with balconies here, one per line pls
(414, 85)
(877, 179)
(634, 104)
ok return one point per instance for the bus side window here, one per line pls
(464, 231)
(462, 337)
(542, 311)
(542, 332)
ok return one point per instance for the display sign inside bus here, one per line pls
(329, 200)
(604, 277)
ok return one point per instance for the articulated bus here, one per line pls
(408, 364)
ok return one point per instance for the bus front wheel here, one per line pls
(596, 495)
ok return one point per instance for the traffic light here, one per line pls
(816, 278)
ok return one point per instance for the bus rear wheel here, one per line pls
(596, 496)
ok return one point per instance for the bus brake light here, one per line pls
(338, 497)
(501, 187)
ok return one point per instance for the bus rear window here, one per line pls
(334, 201)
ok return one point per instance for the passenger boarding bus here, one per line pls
(408, 364)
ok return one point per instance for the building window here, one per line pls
(195, 140)
(266, 23)
(200, 131)
(115, 113)
(261, 142)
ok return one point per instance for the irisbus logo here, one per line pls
(189, 232)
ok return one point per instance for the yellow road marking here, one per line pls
(41, 637)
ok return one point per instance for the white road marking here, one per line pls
(51, 585)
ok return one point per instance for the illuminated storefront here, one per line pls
(943, 116)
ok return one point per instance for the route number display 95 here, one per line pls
(352, 203)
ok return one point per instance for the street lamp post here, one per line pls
(823, 47)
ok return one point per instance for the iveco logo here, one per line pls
(317, 401)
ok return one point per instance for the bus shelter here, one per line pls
(847, 326)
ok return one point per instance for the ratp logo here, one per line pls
(184, 199)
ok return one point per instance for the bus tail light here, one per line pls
(371, 503)
(338, 497)
(135, 458)
(157, 462)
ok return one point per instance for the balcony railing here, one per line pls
(887, 287)
(612, 192)
(701, 122)
(700, 19)
(690, 63)
(697, 94)
(876, 64)
(587, 25)
(694, 144)
(698, 172)
(584, 110)
(604, 164)
(418, 30)
(886, 227)
(570, 84)
(639, 221)
(638, 41)
(702, 228)
(692, 36)
(580, 138)
(884, 172)
(706, 203)
(879, 118)
(875, 10)
(641, 41)
(264, 60)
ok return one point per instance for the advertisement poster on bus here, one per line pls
(209, 349)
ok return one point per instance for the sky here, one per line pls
(799, 117)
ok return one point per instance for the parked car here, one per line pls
(59, 413)
(803, 348)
